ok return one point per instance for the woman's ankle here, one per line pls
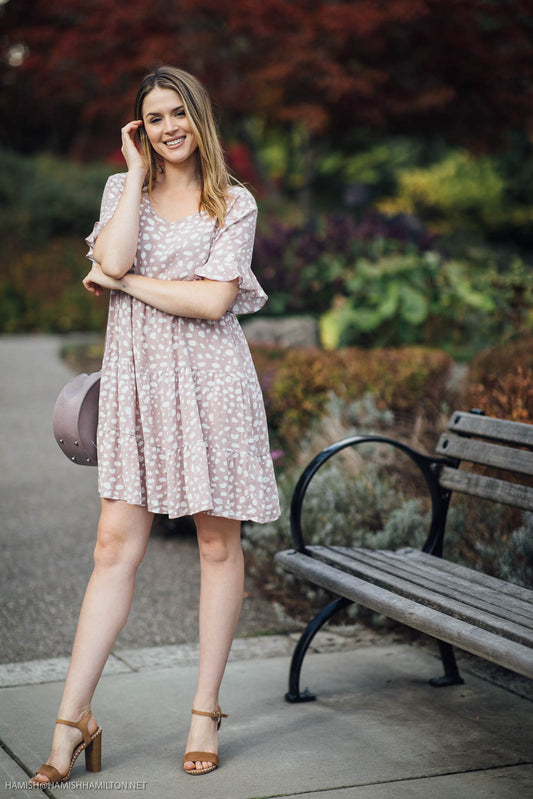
(205, 702)
(72, 711)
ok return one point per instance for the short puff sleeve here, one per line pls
(231, 250)
(112, 194)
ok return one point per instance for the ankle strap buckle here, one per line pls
(216, 715)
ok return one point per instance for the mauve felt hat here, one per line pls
(75, 419)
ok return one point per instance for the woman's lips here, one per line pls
(175, 142)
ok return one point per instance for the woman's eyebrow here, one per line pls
(158, 113)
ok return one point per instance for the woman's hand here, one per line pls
(130, 150)
(96, 281)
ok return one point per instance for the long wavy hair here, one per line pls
(213, 172)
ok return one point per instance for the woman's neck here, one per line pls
(177, 193)
(180, 177)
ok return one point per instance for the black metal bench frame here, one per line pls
(350, 574)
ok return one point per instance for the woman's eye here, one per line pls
(154, 119)
(180, 113)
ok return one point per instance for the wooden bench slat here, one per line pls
(489, 427)
(496, 455)
(514, 602)
(491, 591)
(428, 620)
(457, 587)
(417, 592)
(487, 487)
(508, 589)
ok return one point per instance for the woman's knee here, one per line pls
(111, 547)
(214, 549)
(118, 542)
(219, 540)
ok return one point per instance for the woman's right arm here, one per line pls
(116, 244)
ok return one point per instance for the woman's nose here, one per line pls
(171, 124)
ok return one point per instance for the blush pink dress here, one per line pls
(182, 425)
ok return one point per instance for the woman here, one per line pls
(182, 428)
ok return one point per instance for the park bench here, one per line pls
(458, 606)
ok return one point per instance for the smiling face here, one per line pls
(167, 126)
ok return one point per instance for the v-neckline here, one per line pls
(168, 221)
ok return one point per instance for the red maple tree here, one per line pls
(459, 68)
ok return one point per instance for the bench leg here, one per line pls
(451, 674)
(302, 646)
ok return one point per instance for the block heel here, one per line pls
(92, 744)
(93, 754)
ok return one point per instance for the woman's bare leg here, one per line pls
(221, 593)
(123, 534)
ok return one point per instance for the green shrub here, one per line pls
(41, 290)
(303, 267)
(416, 298)
(44, 197)
(47, 206)
(461, 191)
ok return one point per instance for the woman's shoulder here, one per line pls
(115, 185)
(240, 200)
(118, 179)
(112, 193)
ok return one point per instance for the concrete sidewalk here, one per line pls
(376, 731)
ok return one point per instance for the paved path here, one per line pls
(377, 731)
(49, 512)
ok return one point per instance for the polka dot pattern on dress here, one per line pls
(182, 425)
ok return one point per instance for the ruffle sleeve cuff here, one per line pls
(231, 251)
(112, 193)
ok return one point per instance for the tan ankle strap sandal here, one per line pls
(205, 757)
(92, 744)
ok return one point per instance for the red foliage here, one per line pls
(297, 383)
(501, 381)
(460, 67)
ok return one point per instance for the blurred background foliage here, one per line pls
(390, 147)
(372, 278)
(393, 166)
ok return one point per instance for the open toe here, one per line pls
(204, 762)
(91, 744)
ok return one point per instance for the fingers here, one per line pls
(130, 150)
(136, 123)
(91, 287)
(128, 131)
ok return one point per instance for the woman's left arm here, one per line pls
(198, 299)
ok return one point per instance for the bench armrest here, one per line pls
(430, 468)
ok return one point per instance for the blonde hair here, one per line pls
(213, 172)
